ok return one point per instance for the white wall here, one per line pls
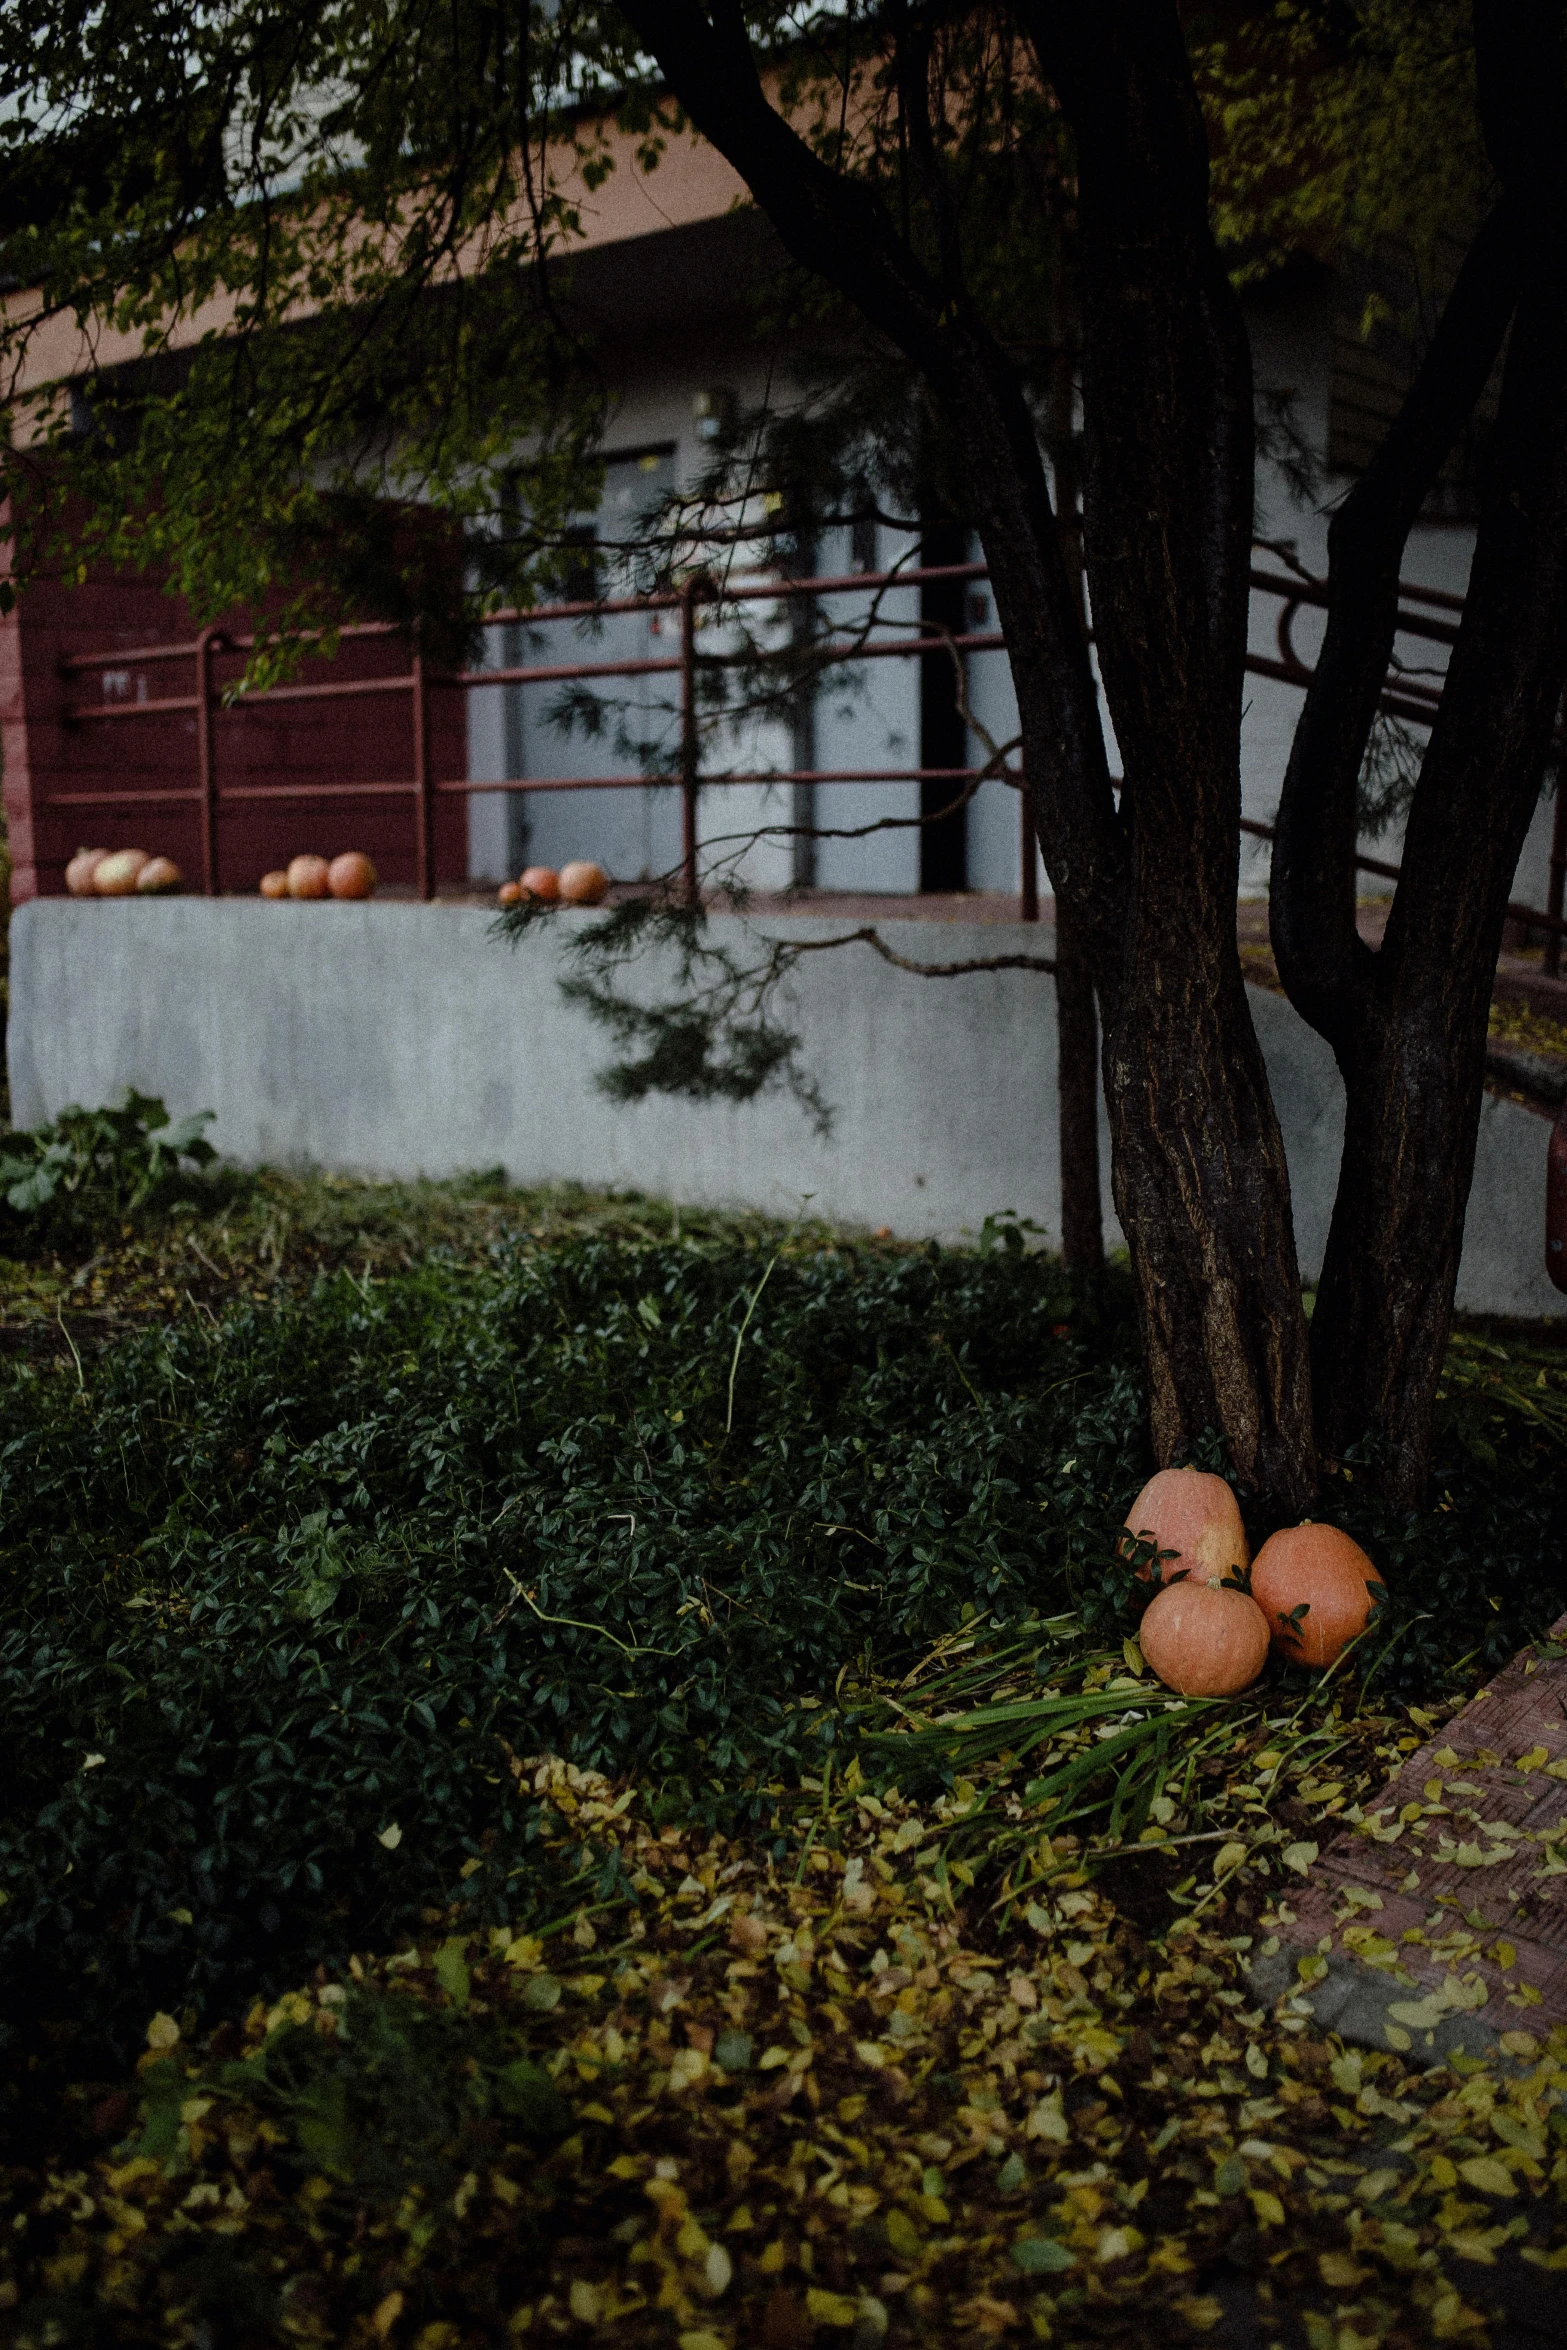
(403, 1039)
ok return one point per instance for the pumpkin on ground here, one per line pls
(543, 883)
(115, 876)
(351, 875)
(307, 877)
(1203, 1638)
(1316, 1589)
(79, 873)
(274, 885)
(159, 878)
(1196, 1516)
(582, 883)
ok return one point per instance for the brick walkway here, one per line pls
(1439, 1920)
(1440, 1923)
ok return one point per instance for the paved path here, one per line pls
(1440, 1922)
(1441, 1916)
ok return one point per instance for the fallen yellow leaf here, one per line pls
(831, 2309)
(1490, 2176)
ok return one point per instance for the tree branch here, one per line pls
(873, 939)
(1324, 964)
(1480, 779)
(1518, 58)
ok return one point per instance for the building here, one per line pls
(666, 275)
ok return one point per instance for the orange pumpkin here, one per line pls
(583, 883)
(307, 877)
(159, 878)
(79, 872)
(508, 894)
(542, 882)
(1203, 1638)
(1196, 1516)
(274, 885)
(351, 875)
(1316, 1589)
(115, 876)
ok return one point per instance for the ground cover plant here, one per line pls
(322, 1504)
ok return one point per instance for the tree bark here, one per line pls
(1077, 1018)
(1077, 1103)
(1197, 1161)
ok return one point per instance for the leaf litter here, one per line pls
(920, 2060)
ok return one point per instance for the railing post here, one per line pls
(1029, 909)
(424, 805)
(206, 762)
(1551, 963)
(689, 758)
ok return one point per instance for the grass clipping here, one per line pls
(808, 2087)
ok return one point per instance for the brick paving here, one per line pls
(1439, 1918)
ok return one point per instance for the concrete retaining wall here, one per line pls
(399, 1039)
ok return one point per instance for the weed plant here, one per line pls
(283, 1584)
(86, 1169)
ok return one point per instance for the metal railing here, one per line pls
(1423, 614)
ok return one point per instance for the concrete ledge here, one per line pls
(401, 1039)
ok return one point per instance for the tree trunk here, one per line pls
(1077, 1102)
(1197, 1160)
(1408, 1023)
(1411, 1115)
(1414, 1057)
(1198, 1167)
(1202, 1191)
(1077, 1020)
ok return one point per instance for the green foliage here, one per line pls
(1343, 127)
(280, 1591)
(295, 1578)
(89, 1168)
(398, 2095)
(376, 2094)
(359, 196)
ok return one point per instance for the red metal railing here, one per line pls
(1411, 698)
